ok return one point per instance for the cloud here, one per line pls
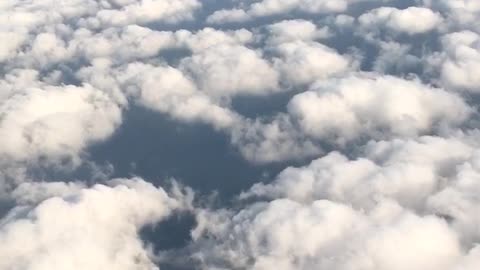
(344, 109)
(396, 58)
(367, 109)
(407, 171)
(228, 15)
(9, 48)
(461, 14)
(295, 30)
(141, 12)
(325, 235)
(274, 7)
(407, 195)
(459, 61)
(271, 140)
(305, 62)
(45, 121)
(49, 32)
(412, 20)
(340, 111)
(168, 90)
(84, 228)
(212, 69)
(270, 7)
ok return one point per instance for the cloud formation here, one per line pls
(55, 121)
(279, 7)
(413, 20)
(83, 228)
(408, 195)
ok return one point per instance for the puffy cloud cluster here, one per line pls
(54, 121)
(463, 14)
(305, 62)
(296, 30)
(401, 204)
(49, 124)
(341, 111)
(278, 7)
(325, 235)
(459, 61)
(69, 226)
(348, 107)
(213, 69)
(43, 26)
(413, 20)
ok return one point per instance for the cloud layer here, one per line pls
(367, 109)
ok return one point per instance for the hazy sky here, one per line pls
(239, 134)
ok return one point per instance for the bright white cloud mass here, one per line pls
(306, 134)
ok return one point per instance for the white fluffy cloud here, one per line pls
(85, 228)
(305, 62)
(412, 20)
(264, 141)
(145, 11)
(168, 90)
(53, 121)
(405, 204)
(343, 110)
(295, 30)
(323, 235)
(459, 61)
(226, 70)
(349, 107)
(460, 13)
(45, 32)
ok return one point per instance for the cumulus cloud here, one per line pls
(84, 228)
(461, 14)
(228, 15)
(325, 235)
(168, 90)
(341, 111)
(275, 7)
(24, 22)
(412, 20)
(212, 69)
(459, 61)
(408, 195)
(396, 58)
(407, 171)
(354, 105)
(295, 30)
(305, 62)
(140, 12)
(53, 121)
